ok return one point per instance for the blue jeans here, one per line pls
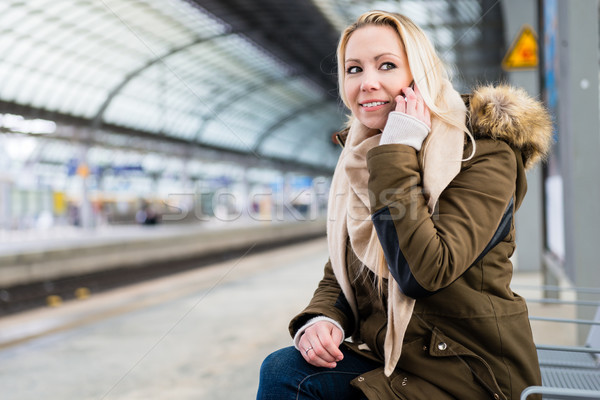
(285, 375)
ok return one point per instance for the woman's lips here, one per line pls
(373, 105)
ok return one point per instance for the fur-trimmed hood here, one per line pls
(510, 114)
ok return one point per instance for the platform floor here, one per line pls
(61, 237)
(195, 335)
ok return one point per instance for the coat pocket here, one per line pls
(407, 386)
(460, 371)
(400, 385)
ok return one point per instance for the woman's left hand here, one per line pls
(412, 104)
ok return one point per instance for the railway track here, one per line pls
(53, 292)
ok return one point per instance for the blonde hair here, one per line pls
(430, 75)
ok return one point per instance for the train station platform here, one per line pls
(199, 334)
(36, 261)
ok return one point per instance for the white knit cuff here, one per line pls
(311, 322)
(402, 128)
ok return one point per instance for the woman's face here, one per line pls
(376, 70)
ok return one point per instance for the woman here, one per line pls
(420, 232)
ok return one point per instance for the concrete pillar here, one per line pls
(571, 49)
(579, 140)
(529, 218)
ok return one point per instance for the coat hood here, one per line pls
(510, 114)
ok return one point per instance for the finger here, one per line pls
(312, 350)
(337, 336)
(411, 101)
(426, 114)
(327, 344)
(409, 93)
(319, 351)
(305, 348)
(313, 358)
(427, 117)
(322, 343)
(420, 108)
(400, 104)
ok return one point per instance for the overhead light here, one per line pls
(19, 124)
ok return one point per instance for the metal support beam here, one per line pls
(97, 121)
(237, 94)
(295, 113)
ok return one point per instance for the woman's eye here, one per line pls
(387, 66)
(353, 70)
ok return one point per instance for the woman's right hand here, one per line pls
(411, 102)
(320, 344)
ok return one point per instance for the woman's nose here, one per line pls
(369, 83)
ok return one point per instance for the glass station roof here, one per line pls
(169, 71)
(165, 68)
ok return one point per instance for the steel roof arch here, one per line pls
(97, 120)
(246, 91)
(295, 113)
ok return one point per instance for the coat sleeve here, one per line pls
(426, 253)
(328, 300)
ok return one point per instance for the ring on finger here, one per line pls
(307, 350)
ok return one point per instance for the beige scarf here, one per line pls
(349, 215)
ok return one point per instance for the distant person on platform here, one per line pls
(415, 302)
(146, 215)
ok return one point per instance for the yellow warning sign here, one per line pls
(523, 51)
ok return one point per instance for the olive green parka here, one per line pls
(469, 336)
